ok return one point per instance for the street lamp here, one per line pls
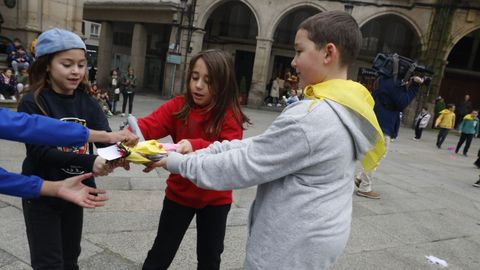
(190, 11)
(183, 9)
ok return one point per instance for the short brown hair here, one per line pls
(337, 27)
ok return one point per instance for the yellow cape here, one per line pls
(357, 98)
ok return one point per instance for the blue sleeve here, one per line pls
(19, 185)
(403, 97)
(394, 96)
(37, 129)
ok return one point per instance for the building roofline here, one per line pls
(132, 5)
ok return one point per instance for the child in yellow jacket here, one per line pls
(445, 121)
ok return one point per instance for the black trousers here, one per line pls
(7, 90)
(442, 135)
(116, 98)
(418, 130)
(464, 137)
(174, 222)
(54, 231)
(129, 97)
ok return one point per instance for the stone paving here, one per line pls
(428, 207)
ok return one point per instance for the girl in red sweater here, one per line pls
(209, 111)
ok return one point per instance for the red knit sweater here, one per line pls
(162, 123)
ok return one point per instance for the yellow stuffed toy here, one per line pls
(143, 152)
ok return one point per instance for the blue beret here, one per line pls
(57, 40)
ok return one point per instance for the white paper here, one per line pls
(434, 260)
(109, 153)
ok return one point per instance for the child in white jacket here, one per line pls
(421, 122)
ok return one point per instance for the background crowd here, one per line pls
(14, 79)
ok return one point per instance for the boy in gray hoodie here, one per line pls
(301, 215)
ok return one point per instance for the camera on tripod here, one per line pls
(400, 67)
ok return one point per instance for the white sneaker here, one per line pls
(279, 105)
(2, 97)
(14, 98)
(122, 115)
(269, 104)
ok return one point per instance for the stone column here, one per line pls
(260, 69)
(138, 52)
(32, 19)
(104, 57)
(197, 41)
(77, 16)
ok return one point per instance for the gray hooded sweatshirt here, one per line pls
(303, 165)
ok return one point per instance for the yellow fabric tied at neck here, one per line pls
(357, 98)
(469, 117)
(142, 149)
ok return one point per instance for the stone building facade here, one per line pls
(136, 34)
(157, 37)
(427, 31)
(27, 18)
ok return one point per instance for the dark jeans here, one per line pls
(464, 137)
(110, 106)
(174, 221)
(418, 131)
(477, 162)
(442, 135)
(54, 231)
(7, 90)
(128, 96)
(116, 98)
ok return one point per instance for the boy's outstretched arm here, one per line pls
(267, 157)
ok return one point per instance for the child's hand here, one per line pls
(159, 164)
(72, 189)
(125, 136)
(184, 147)
(101, 167)
(121, 162)
(417, 79)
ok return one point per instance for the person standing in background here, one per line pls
(391, 98)
(468, 128)
(128, 84)
(275, 92)
(463, 109)
(114, 90)
(439, 106)
(445, 121)
(421, 122)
